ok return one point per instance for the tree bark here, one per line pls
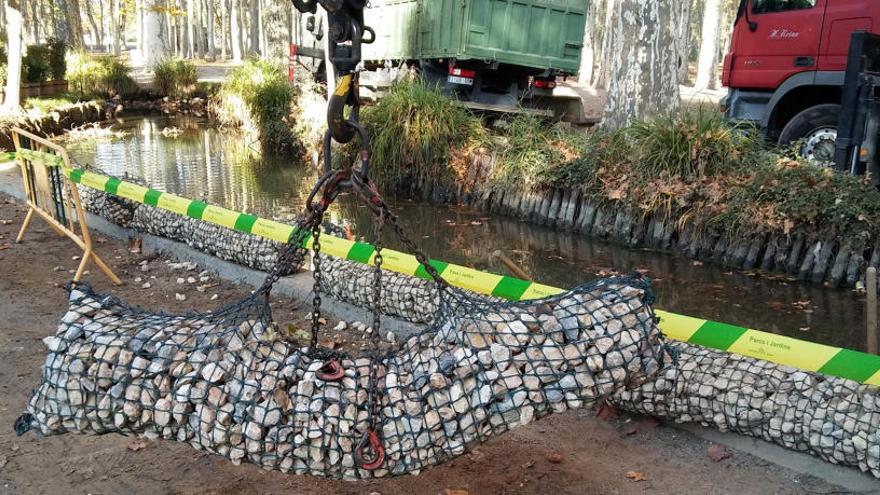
(189, 41)
(708, 45)
(683, 37)
(255, 28)
(611, 8)
(212, 46)
(74, 24)
(154, 46)
(14, 22)
(235, 22)
(585, 71)
(96, 36)
(643, 76)
(224, 26)
(35, 22)
(115, 25)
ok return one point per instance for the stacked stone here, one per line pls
(112, 208)
(830, 417)
(410, 298)
(218, 382)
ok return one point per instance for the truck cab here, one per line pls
(786, 66)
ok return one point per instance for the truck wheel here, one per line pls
(816, 130)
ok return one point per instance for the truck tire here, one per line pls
(816, 129)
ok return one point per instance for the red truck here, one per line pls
(786, 67)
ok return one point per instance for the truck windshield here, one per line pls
(767, 6)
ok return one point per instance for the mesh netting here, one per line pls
(223, 382)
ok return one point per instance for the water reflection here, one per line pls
(222, 168)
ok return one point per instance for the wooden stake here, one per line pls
(873, 341)
(513, 267)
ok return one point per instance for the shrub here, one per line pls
(257, 95)
(57, 58)
(91, 75)
(35, 64)
(690, 145)
(535, 152)
(416, 130)
(175, 77)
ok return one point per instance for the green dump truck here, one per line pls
(496, 55)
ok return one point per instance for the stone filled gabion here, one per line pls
(411, 298)
(110, 207)
(219, 382)
(833, 418)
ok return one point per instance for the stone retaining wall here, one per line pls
(810, 257)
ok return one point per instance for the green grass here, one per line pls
(99, 75)
(416, 133)
(257, 95)
(175, 77)
(47, 104)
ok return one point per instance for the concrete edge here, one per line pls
(846, 477)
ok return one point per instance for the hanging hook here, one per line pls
(369, 453)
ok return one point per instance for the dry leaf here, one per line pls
(718, 452)
(449, 491)
(134, 245)
(554, 457)
(636, 476)
(5, 245)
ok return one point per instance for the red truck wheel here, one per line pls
(815, 129)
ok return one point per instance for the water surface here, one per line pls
(222, 168)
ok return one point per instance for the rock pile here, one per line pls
(218, 382)
(833, 418)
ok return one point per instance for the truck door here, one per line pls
(842, 18)
(785, 42)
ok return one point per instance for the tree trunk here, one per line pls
(224, 27)
(643, 75)
(189, 41)
(235, 22)
(35, 23)
(200, 29)
(74, 24)
(96, 40)
(585, 71)
(212, 46)
(154, 46)
(611, 7)
(14, 21)
(708, 45)
(115, 25)
(255, 28)
(683, 37)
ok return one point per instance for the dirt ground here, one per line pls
(574, 453)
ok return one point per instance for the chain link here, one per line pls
(316, 288)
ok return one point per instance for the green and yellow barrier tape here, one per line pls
(809, 356)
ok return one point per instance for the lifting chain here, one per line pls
(346, 35)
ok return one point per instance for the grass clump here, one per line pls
(257, 96)
(46, 104)
(536, 153)
(418, 133)
(175, 77)
(96, 75)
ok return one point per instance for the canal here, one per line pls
(184, 156)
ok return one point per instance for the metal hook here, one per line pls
(369, 453)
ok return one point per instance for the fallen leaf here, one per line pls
(528, 465)
(138, 444)
(5, 245)
(554, 457)
(718, 452)
(450, 491)
(636, 476)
